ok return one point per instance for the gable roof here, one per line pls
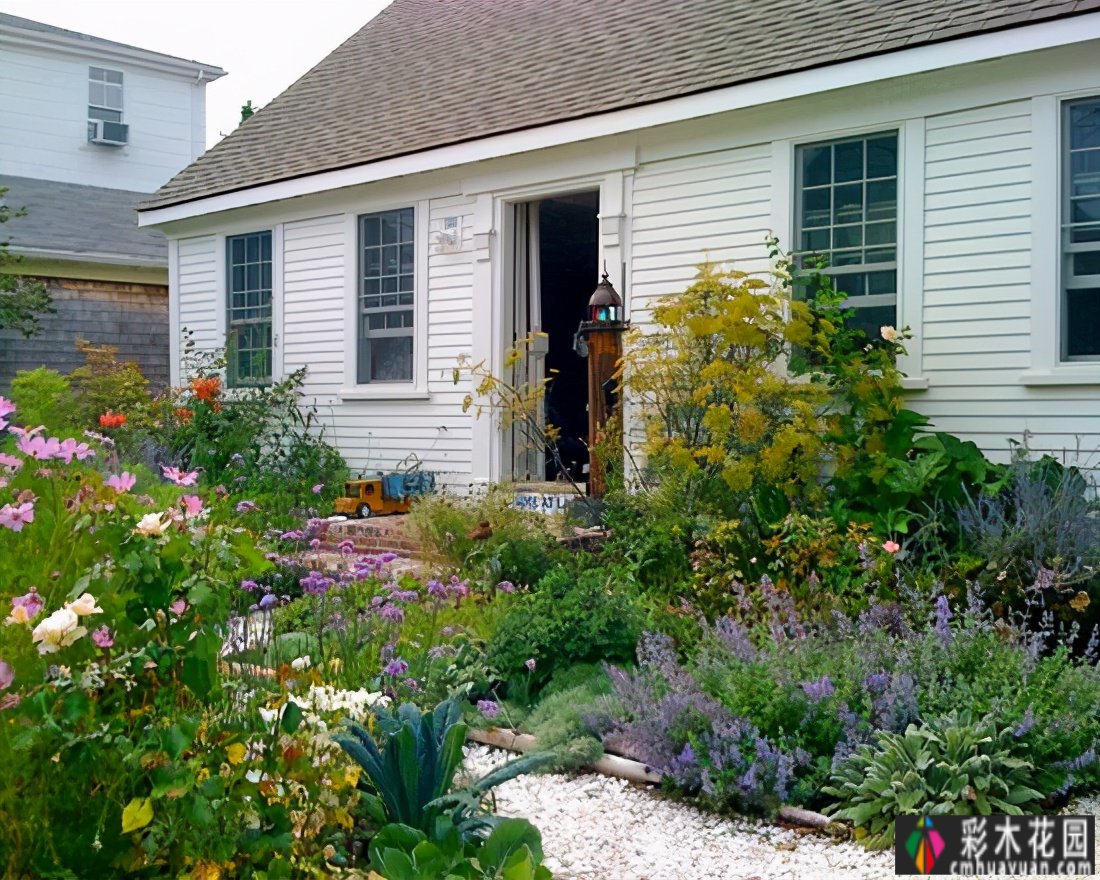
(431, 73)
(89, 224)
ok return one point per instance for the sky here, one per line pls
(264, 45)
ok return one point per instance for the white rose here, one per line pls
(57, 631)
(889, 333)
(84, 606)
(151, 525)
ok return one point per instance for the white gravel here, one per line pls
(597, 828)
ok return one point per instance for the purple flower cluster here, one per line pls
(395, 667)
(818, 690)
(316, 583)
(488, 708)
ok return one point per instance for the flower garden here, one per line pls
(802, 595)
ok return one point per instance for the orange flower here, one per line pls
(206, 389)
(184, 414)
(112, 419)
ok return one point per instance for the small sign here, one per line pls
(543, 502)
(972, 845)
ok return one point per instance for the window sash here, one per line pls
(872, 254)
(386, 296)
(1085, 283)
(249, 309)
(104, 89)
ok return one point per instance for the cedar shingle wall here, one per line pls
(133, 317)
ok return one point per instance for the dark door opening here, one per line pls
(568, 272)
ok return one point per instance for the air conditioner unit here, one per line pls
(115, 134)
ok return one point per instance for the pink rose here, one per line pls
(891, 546)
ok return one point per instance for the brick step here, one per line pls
(383, 534)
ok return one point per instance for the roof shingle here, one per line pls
(429, 73)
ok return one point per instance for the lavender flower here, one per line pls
(1025, 725)
(395, 667)
(942, 626)
(246, 506)
(819, 690)
(735, 638)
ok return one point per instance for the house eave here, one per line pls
(111, 51)
(905, 62)
(99, 259)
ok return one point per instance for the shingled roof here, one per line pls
(76, 222)
(429, 73)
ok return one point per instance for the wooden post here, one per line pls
(605, 349)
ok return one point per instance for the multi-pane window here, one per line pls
(1081, 232)
(386, 296)
(248, 288)
(104, 95)
(847, 211)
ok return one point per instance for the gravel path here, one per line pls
(597, 828)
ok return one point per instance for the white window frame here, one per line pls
(227, 260)
(106, 106)
(1047, 132)
(910, 220)
(417, 389)
(1066, 249)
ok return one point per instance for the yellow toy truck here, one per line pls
(365, 498)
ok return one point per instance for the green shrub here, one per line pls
(574, 615)
(521, 548)
(559, 722)
(513, 850)
(105, 384)
(950, 766)
(44, 397)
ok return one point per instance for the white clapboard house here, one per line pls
(457, 174)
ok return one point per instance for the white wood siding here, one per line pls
(977, 291)
(197, 296)
(715, 206)
(44, 134)
(313, 303)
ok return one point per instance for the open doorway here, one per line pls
(556, 253)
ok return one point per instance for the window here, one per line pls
(386, 297)
(104, 96)
(248, 288)
(1081, 232)
(847, 211)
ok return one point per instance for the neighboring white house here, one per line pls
(88, 127)
(457, 173)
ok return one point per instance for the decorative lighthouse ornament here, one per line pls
(600, 339)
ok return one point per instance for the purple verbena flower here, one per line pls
(268, 601)
(488, 708)
(395, 667)
(246, 506)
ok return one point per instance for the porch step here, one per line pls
(381, 534)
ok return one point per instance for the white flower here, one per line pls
(888, 333)
(301, 663)
(151, 525)
(57, 631)
(84, 606)
(268, 715)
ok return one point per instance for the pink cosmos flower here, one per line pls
(7, 676)
(15, 516)
(318, 488)
(25, 608)
(891, 546)
(178, 607)
(180, 478)
(102, 637)
(42, 448)
(123, 482)
(68, 449)
(6, 407)
(10, 461)
(530, 664)
(192, 505)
